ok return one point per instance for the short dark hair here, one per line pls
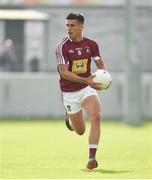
(77, 16)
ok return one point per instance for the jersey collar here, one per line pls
(72, 41)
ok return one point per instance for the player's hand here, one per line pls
(93, 84)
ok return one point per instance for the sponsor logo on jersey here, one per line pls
(79, 66)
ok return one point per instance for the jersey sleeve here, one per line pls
(95, 51)
(61, 55)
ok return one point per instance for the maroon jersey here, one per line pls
(77, 55)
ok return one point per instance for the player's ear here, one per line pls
(81, 26)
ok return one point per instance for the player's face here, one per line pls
(74, 29)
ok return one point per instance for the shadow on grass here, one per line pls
(105, 171)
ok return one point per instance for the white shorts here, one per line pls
(73, 100)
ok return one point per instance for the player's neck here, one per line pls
(77, 39)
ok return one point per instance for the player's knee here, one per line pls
(96, 116)
(80, 131)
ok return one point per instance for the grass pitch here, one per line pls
(46, 149)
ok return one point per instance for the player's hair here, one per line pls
(78, 16)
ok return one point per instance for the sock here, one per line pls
(92, 150)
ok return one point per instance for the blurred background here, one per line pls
(29, 33)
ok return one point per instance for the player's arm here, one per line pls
(101, 64)
(70, 76)
(97, 57)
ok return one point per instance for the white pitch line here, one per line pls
(74, 179)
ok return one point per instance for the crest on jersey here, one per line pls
(87, 49)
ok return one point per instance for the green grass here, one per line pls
(46, 149)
